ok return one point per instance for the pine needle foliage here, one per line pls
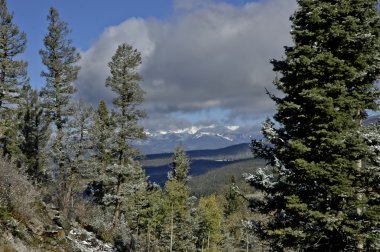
(60, 59)
(315, 194)
(13, 77)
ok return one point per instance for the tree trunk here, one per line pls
(208, 240)
(247, 241)
(116, 213)
(171, 229)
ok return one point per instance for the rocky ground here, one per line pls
(45, 233)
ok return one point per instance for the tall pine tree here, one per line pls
(124, 82)
(316, 195)
(60, 59)
(13, 76)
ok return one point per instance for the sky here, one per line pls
(204, 61)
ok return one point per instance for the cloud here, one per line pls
(212, 57)
(190, 4)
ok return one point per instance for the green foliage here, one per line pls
(125, 177)
(180, 166)
(172, 225)
(327, 78)
(60, 59)
(101, 134)
(232, 198)
(13, 77)
(101, 142)
(179, 222)
(369, 196)
(214, 180)
(210, 215)
(36, 132)
(124, 81)
(76, 146)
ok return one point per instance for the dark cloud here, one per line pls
(215, 56)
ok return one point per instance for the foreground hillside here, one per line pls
(27, 223)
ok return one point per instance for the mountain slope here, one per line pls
(201, 161)
(195, 138)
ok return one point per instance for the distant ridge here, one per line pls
(213, 136)
(239, 151)
(201, 161)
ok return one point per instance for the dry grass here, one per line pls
(17, 194)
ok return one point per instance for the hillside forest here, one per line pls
(71, 178)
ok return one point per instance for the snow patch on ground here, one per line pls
(86, 241)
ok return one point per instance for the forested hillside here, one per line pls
(72, 179)
(157, 166)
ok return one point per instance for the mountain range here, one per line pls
(205, 137)
(195, 138)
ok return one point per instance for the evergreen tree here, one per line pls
(124, 82)
(178, 233)
(210, 215)
(36, 133)
(178, 221)
(180, 166)
(76, 146)
(315, 194)
(370, 193)
(233, 203)
(13, 76)
(102, 145)
(154, 218)
(102, 134)
(60, 59)
(122, 184)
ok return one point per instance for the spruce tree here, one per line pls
(232, 198)
(177, 206)
(317, 193)
(180, 166)
(101, 135)
(13, 76)
(370, 194)
(178, 234)
(60, 59)
(76, 146)
(124, 82)
(102, 132)
(36, 132)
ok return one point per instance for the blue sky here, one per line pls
(87, 19)
(204, 61)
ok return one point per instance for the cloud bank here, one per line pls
(207, 57)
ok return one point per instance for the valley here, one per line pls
(209, 169)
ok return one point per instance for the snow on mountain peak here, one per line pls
(193, 130)
(233, 127)
(195, 137)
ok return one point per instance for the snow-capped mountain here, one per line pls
(195, 138)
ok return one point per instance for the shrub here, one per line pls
(17, 194)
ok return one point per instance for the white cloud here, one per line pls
(215, 56)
